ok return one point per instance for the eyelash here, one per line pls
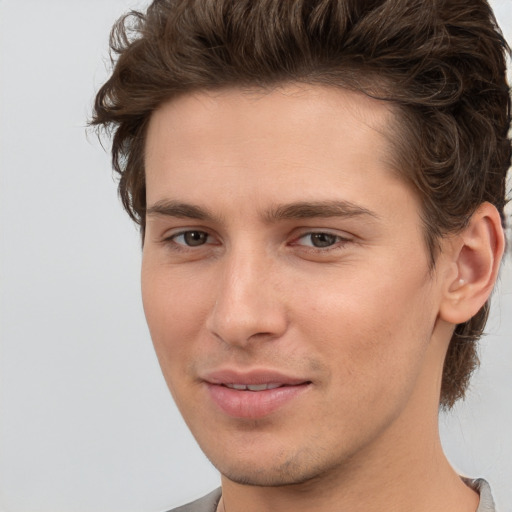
(338, 243)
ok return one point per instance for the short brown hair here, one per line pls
(442, 63)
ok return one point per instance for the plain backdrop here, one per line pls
(86, 422)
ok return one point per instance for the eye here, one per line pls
(192, 238)
(319, 240)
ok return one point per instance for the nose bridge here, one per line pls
(247, 303)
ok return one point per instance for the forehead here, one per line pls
(288, 129)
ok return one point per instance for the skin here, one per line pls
(237, 282)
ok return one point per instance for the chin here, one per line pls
(267, 478)
(270, 473)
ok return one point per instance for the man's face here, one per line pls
(282, 253)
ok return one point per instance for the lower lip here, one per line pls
(253, 404)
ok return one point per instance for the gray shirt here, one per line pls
(209, 502)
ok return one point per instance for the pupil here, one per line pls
(322, 239)
(194, 238)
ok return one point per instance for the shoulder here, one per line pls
(207, 503)
(482, 488)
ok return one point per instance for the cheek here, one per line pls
(377, 323)
(175, 310)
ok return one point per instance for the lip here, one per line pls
(253, 404)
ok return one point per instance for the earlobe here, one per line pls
(477, 256)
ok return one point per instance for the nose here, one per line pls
(249, 304)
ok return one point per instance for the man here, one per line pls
(320, 189)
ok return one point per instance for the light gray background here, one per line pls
(86, 420)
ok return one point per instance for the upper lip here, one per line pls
(252, 377)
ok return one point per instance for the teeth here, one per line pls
(237, 386)
(253, 387)
(257, 387)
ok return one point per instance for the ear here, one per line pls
(476, 256)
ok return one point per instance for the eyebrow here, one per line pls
(297, 210)
(180, 210)
(317, 209)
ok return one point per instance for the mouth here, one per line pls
(253, 395)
